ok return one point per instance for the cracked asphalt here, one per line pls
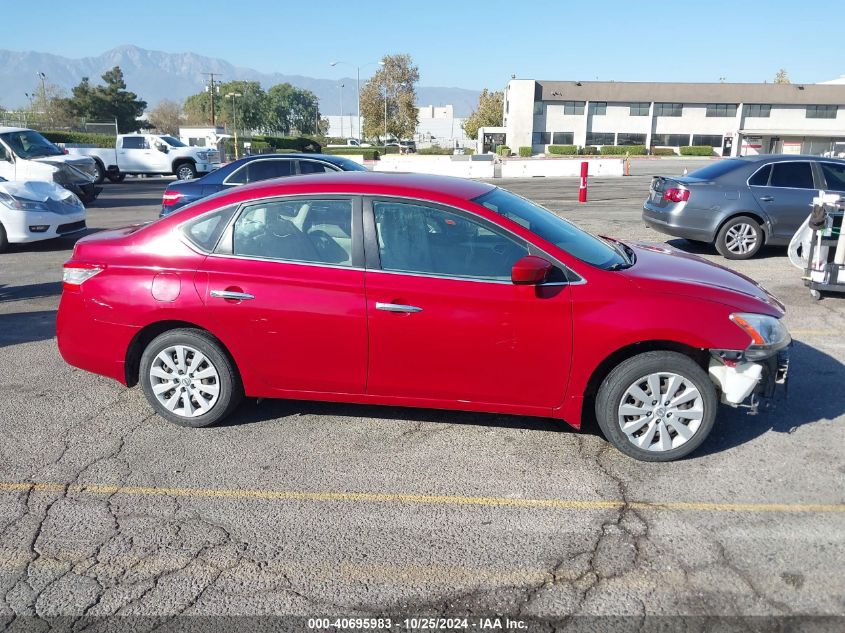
(305, 509)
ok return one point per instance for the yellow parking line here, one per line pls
(454, 500)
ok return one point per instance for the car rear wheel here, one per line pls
(186, 171)
(101, 173)
(189, 379)
(657, 406)
(116, 178)
(740, 238)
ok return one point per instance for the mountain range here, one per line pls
(156, 75)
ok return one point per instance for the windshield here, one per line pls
(173, 141)
(543, 223)
(716, 170)
(30, 144)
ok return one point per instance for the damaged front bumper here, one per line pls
(748, 383)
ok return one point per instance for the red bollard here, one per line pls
(582, 191)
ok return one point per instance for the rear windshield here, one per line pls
(718, 169)
(552, 228)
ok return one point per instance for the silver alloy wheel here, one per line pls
(661, 411)
(741, 239)
(184, 381)
(185, 173)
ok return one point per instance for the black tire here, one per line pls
(116, 178)
(4, 241)
(101, 173)
(730, 247)
(613, 394)
(230, 391)
(185, 171)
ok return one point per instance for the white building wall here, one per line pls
(519, 112)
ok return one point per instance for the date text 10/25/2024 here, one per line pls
(417, 624)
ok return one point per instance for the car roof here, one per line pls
(3, 129)
(331, 158)
(367, 182)
(759, 158)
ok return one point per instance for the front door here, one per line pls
(787, 195)
(445, 321)
(286, 288)
(133, 153)
(7, 165)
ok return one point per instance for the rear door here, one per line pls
(289, 297)
(787, 195)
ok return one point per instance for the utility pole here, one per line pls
(341, 110)
(235, 120)
(211, 77)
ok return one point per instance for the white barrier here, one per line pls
(439, 165)
(561, 168)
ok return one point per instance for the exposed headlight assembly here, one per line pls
(21, 204)
(767, 334)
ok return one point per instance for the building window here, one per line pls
(721, 109)
(538, 107)
(600, 138)
(760, 110)
(563, 138)
(573, 107)
(541, 138)
(669, 140)
(599, 108)
(668, 109)
(821, 111)
(713, 140)
(639, 109)
(625, 138)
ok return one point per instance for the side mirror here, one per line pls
(162, 147)
(530, 270)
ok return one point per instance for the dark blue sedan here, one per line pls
(251, 169)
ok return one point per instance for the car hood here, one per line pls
(38, 190)
(68, 159)
(662, 268)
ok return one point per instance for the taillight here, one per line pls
(170, 198)
(74, 275)
(673, 194)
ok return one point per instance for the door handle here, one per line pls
(231, 294)
(396, 307)
(766, 198)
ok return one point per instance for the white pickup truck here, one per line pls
(151, 154)
(25, 156)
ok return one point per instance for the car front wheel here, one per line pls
(740, 238)
(657, 406)
(186, 171)
(188, 378)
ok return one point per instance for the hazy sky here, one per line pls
(465, 43)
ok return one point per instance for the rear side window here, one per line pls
(761, 178)
(204, 231)
(135, 142)
(834, 175)
(798, 175)
(258, 170)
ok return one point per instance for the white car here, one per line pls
(37, 210)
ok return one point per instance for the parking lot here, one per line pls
(313, 509)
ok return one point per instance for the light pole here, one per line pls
(341, 110)
(357, 86)
(235, 120)
(30, 96)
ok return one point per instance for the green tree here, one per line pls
(250, 108)
(108, 102)
(782, 77)
(392, 87)
(166, 117)
(291, 109)
(197, 109)
(488, 113)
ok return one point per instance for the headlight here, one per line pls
(202, 155)
(767, 333)
(22, 204)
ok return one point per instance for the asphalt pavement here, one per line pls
(307, 509)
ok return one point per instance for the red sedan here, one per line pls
(418, 291)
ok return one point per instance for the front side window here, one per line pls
(257, 170)
(172, 141)
(552, 228)
(416, 238)
(834, 175)
(301, 230)
(797, 175)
